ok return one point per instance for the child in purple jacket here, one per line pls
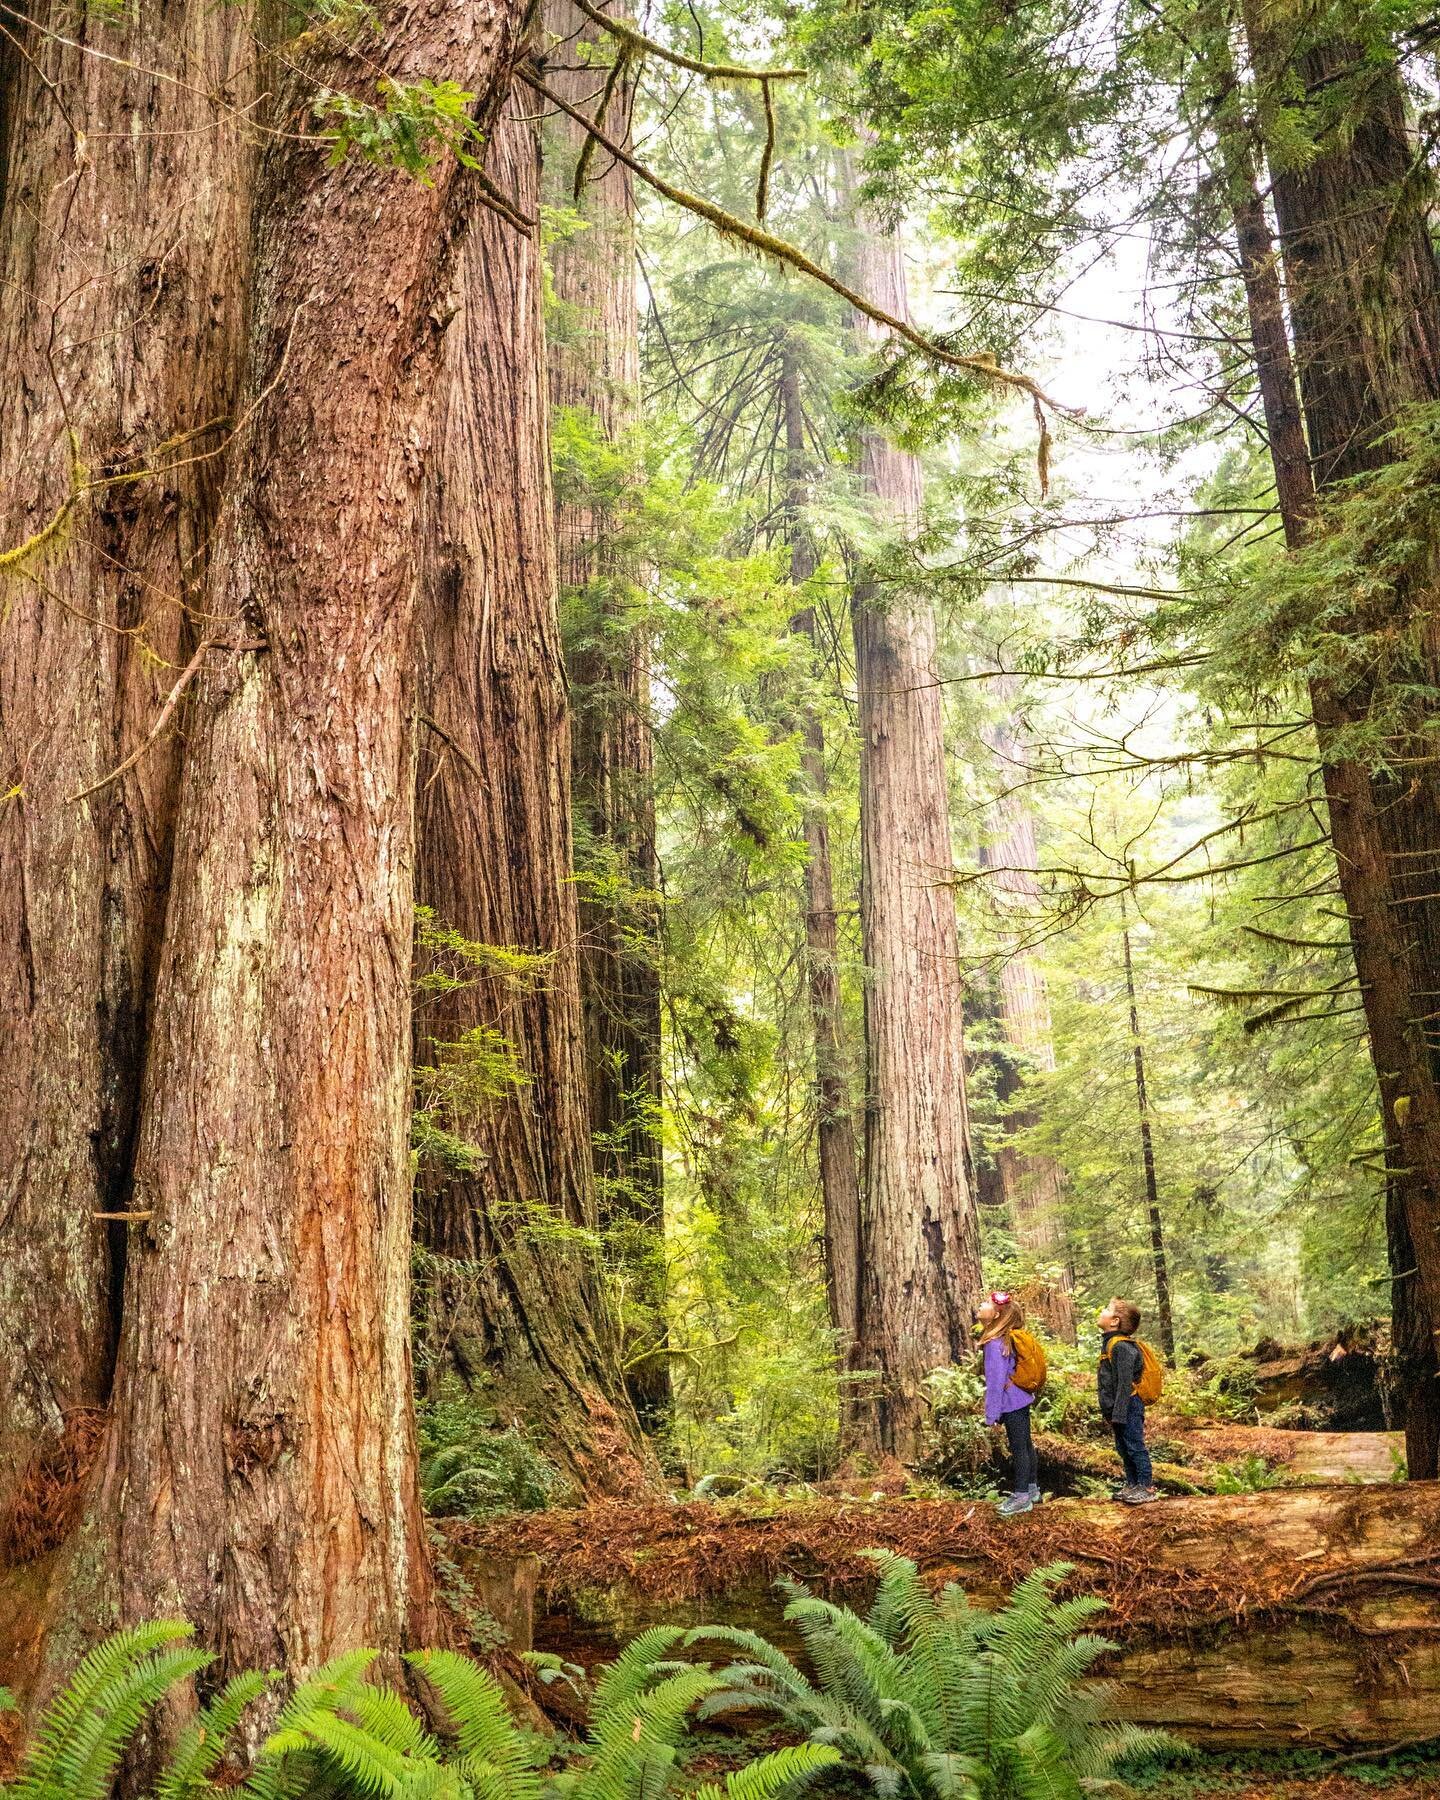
(1005, 1403)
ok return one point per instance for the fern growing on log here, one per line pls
(930, 1698)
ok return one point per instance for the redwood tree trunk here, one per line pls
(259, 1475)
(921, 1253)
(1031, 1186)
(594, 361)
(520, 1306)
(1164, 1316)
(1364, 300)
(120, 323)
(835, 1128)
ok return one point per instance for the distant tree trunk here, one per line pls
(1364, 299)
(119, 323)
(519, 1309)
(595, 369)
(1147, 1157)
(1031, 1186)
(835, 1128)
(259, 1473)
(921, 1253)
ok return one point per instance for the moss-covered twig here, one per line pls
(981, 364)
(637, 42)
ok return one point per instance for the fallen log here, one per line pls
(1333, 1384)
(1304, 1617)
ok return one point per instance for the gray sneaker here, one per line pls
(1139, 1496)
(1016, 1503)
(1035, 1495)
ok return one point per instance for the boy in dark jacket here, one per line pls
(1118, 1373)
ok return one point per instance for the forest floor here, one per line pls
(1238, 1783)
(1402, 1775)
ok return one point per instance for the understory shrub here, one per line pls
(931, 1698)
(469, 1466)
(343, 1736)
(928, 1698)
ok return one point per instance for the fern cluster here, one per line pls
(930, 1698)
(344, 1736)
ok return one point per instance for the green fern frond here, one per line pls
(475, 1706)
(1043, 1766)
(85, 1730)
(781, 1772)
(951, 1776)
(633, 1671)
(364, 1761)
(95, 1686)
(763, 1654)
(202, 1744)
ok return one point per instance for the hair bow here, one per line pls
(999, 1298)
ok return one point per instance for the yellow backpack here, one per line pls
(1151, 1379)
(1031, 1367)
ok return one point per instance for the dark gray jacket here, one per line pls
(1117, 1376)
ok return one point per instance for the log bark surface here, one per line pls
(1307, 1618)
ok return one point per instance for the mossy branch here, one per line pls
(55, 524)
(765, 243)
(637, 43)
(1294, 943)
(767, 156)
(618, 70)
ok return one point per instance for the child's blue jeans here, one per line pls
(1130, 1442)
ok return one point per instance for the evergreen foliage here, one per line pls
(931, 1698)
(344, 1736)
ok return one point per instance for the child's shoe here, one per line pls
(1139, 1496)
(1016, 1503)
(1035, 1495)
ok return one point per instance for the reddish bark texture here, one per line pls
(1364, 302)
(122, 237)
(520, 1305)
(259, 1473)
(921, 1256)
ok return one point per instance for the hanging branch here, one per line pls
(1294, 943)
(500, 203)
(762, 185)
(637, 43)
(765, 243)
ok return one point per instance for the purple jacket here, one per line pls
(1001, 1394)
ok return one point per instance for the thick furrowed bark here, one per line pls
(1364, 297)
(259, 1473)
(521, 1310)
(594, 365)
(121, 326)
(921, 1262)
